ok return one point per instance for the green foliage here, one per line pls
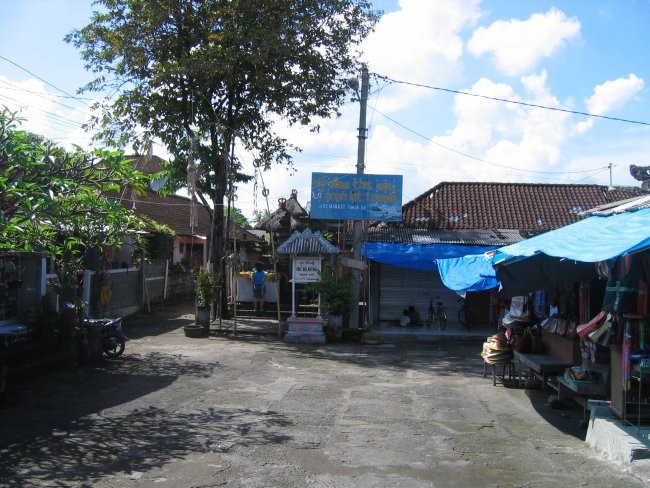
(62, 203)
(206, 287)
(161, 245)
(260, 216)
(335, 291)
(237, 216)
(199, 75)
(178, 268)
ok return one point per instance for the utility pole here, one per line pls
(610, 175)
(358, 224)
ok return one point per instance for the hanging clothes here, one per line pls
(623, 285)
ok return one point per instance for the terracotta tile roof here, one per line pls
(147, 164)
(174, 211)
(530, 208)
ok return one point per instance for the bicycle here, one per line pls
(437, 314)
(430, 314)
(465, 316)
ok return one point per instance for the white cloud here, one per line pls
(518, 46)
(608, 96)
(613, 94)
(45, 113)
(420, 42)
(496, 141)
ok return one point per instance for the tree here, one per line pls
(200, 74)
(237, 216)
(47, 196)
(260, 216)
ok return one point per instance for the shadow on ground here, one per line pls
(56, 430)
(86, 448)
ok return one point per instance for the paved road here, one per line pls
(250, 411)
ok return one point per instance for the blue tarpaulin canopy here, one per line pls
(560, 255)
(591, 240)
(468, 273)
(568, 254)
(417, 256)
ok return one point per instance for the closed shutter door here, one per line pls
(401, 287)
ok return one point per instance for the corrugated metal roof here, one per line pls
(307, 242)
(472, 237)
(629, 205)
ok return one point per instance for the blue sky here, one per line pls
(580, 56)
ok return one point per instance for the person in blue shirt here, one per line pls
(259, 278)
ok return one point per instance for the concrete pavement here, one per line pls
(248, 410)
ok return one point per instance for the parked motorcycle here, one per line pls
(113, 337)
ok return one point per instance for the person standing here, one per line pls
(259, 279)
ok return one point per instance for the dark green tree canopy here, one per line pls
(237, 216)
(47, 195)
(213, 68)
(62, 203)
(198, 74)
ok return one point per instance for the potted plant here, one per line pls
(335, 298)
(206, 289)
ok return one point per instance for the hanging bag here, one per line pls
(524, 342)
(597, 334)
(519, 308)
(536, 344)
(584, 330)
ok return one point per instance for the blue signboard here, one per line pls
(340, 196)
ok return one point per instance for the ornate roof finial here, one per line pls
(642, 174)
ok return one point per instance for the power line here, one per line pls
(17, 88)
(41, 79)
(69, 123)
(479, 159)
(44, 96)
(505, 100)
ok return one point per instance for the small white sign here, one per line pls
(306, 270)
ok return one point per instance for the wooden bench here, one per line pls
(543, 366)
(581, 392)
(559, 353)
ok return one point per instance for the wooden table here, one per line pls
(542, 365)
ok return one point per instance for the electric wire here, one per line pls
(44, 96)
(515, 102)
(43, 80)
(476, 158)
(55, 118)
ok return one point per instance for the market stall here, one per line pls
(607, 257)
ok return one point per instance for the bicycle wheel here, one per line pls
(441, 320)
(463, 318)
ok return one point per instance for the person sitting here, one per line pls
(415, 316)
(404, 320)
